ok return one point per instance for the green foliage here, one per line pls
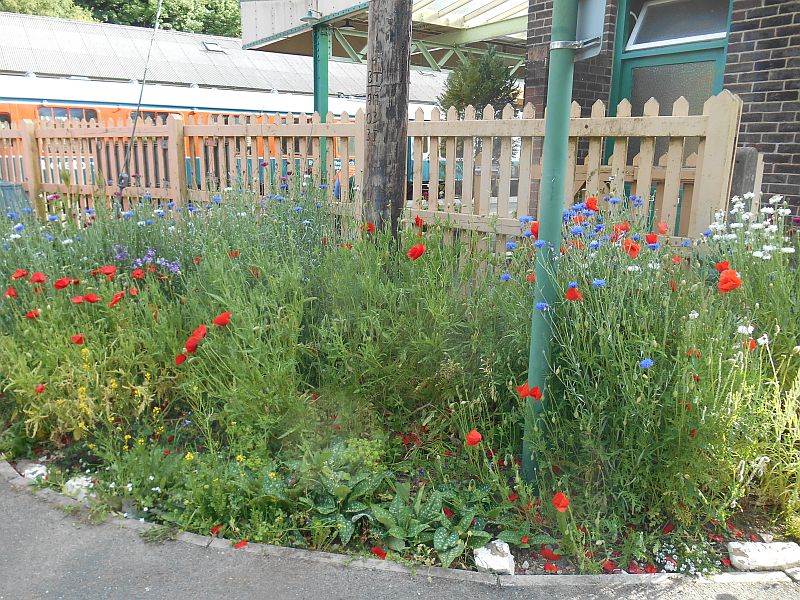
(64, 9)
(214, 17)
(480, 80)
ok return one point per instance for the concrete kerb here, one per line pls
(9, 475)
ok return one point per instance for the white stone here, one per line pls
(35, 471)
(78, 487)
(760, 556)
(494, 557)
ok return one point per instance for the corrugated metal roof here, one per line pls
(49, 46)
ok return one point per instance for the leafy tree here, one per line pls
(479, 81)
(65, 9)
(214, 17)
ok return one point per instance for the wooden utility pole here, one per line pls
(388, 50)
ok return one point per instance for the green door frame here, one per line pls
(715, 50)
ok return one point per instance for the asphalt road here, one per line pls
(46, 553)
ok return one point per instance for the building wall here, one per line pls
(763, 68)
(592, 76)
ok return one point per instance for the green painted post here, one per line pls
(551, 201)
(322, 50)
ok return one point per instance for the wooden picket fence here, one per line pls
(489, 169)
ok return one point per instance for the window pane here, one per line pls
(76, 114)
(45, 113)
(60, 114)
(91, 114)
(5, 118)
(666, 21)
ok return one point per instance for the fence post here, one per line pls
(31, 167)
(176, 157)
(712, 191)
(746, 174)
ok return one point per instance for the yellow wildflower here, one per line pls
(188, 456)
(140, 441)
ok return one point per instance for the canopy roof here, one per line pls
(444, 32)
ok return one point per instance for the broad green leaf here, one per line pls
(354, 507)
(444, 539)
(432, 509)
(346, 529)
(383, 516)
(325, 505)
(477, 539)
(341, 492)
(366, 486)
(395, 544)
(397, 532)
(448, 556)
(396, 507)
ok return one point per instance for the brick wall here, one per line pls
(763, 67)
(592, 77)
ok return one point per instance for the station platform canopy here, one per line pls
(444, 32)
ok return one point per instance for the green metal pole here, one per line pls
(322, 50)
(551, 201)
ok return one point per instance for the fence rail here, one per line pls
(475, 171)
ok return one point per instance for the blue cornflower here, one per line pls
(599, 282)
(47, 236)
(539, 243)
(27, 210)
(284, 186)
(707, 232)
(12, 215)
(572, 284)
(148, 221)
(576, 230)
(599, 227)
(263, 202)
(52, 218)
(579, 206)
(646, 363)
(542, 306)
(655, 246)
(318, 205)
(279, 198)
(606, 238)
(170, 204)
(606, 198)
(323, 186)
(587, 212)
(216, 199)
(528, 233)
(526, 219)
(159, 212)
(306, 222)
(636, 237)
(127, 214)
(89, 211)
(269, 196)
(19, 227)
(637, 202)
(505, 277)
(594, 244)
(147, 196)
(686, 243)
(298, 209)
(614, 200)
(511, 245)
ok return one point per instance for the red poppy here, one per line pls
(92, 298)
(200, 332)
(180, 359)
(233, 253)
(574, 294)
(578, 218)
(651, 238)
(138, 274)
(10, 293)
(535, 229)
(668, 528)
(108, 270)
(650, 569)
(531, 278)
(116, 298)
(676, 260)
(525, 391)
(473, 438)
(379, 552)
(609, 565)
(662, 227)
(39, 389)
(38, 277)
(191, 345)
(197, 259)
(448, 513)
(754, 538)
(693, 352)
(60, 284)
(216, 529)
(416, 251)
(134, 291)
(76, 281)
(32, 314)
(19, 274)
(550, 555)
(241, 544)
(693, 433)
(167, 452)
(620, 228)
(419, 222)
(222, 319)
(513, 497)
(728, 281)
(631, 247)
(368, 228)
(633, 568)
(76, 299)
(695, 377)
(150, 268)
(722, 265)
(524, 540)
(714, 537)
(750, 344)
(78, 338)
(726, 562)
(560, 502)
(591, 203)
(550, 568)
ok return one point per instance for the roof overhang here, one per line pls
(444, 32)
